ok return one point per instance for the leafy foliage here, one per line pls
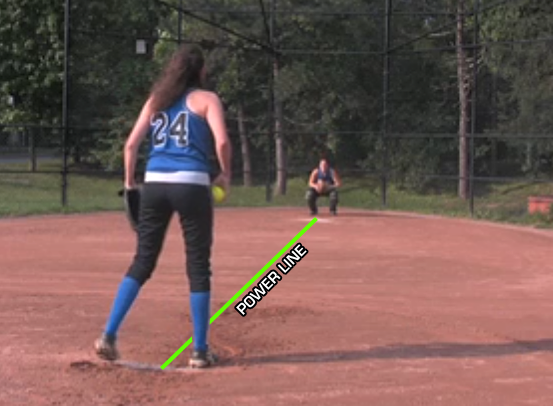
(31, 61)
(329, 82)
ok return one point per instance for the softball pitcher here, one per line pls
(184, 121)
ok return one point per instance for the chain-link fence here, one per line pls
(439, 109)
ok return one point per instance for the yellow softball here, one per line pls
(218, 194)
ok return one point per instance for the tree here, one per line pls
(109, 80)
(31, 65)
(523, 77)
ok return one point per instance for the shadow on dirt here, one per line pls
(419, 351)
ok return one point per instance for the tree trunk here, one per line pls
(464, 84)
(245, 147)
(280, 145)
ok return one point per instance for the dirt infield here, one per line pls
(384, 310)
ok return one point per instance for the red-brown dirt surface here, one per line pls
(386, 309)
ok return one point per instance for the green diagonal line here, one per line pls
(246, 286)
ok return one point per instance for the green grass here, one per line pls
(495, 202)
(40, 193)
(26, 194)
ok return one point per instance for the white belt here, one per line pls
(197, 178)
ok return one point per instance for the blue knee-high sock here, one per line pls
(199, 305)
(128, 290)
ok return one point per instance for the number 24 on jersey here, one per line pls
(178, 129)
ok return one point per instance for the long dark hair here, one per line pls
(182, 72)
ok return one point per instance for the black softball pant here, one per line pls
(194, 206)
(312, 196)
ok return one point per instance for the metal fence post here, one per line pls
(473, 106)
(179, 28)
(65, 106)
(31, 148)
(385, 91)
(271, 103)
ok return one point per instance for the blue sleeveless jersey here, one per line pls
(181, 141)
(327, 177)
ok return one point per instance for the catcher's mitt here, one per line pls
(131, 199)
(324, 188)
